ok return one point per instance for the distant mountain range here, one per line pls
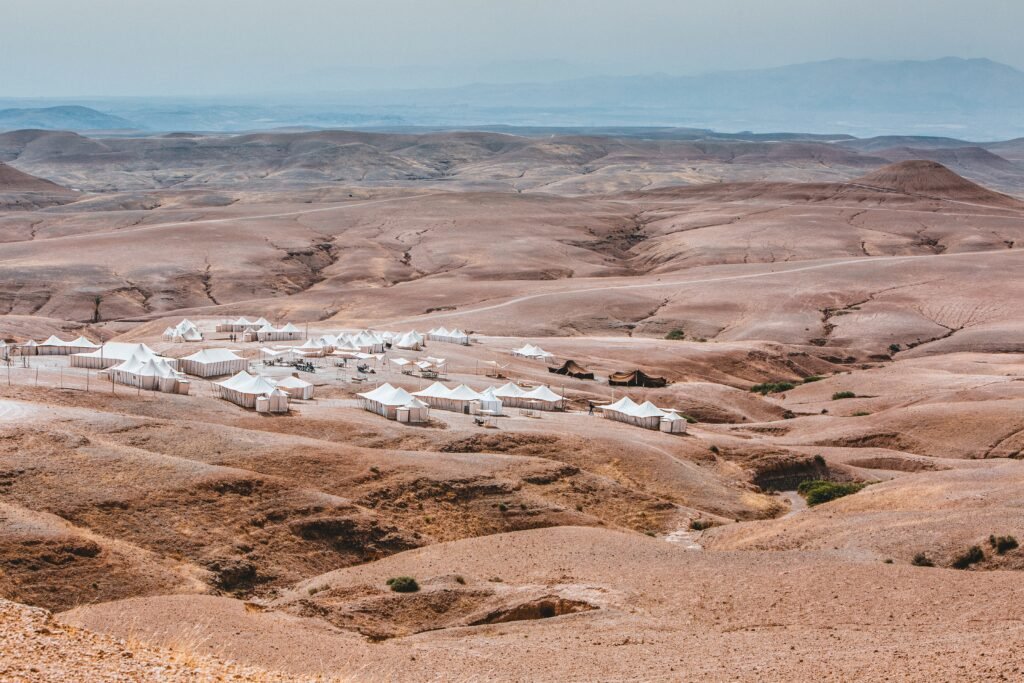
(73, 117)
(974, 99)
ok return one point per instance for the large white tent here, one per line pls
(311, 348)
(395, 403)
(149, 372)
(257, 392)
(112, 353)
(213, 363)
(296, 387)
(185, 331)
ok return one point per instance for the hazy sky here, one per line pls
(211, 47)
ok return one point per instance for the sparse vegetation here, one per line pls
(972, 555)
(840, 395)
(689, 420)
(714, 449)
(860, 413)
(895, 348)
(676, 335)
(922, 560)
(502, 507)
(701, 524)
(1002, 544)
(819, 460)
(818, 491)
(460, 580)
(813, 378)
(772, 388)
(403, 584)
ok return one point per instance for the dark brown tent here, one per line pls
(637, 378)
(573, 369)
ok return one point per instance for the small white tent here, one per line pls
(673, 423)
(149, 372)
(532, 352)
(185, 331)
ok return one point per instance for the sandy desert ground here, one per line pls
(170, 537)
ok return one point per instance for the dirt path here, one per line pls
(797, 504)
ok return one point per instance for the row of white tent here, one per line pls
(455, 336)
(55, 346)
(242, 324)
(460, 399)
(646, 415)
(185, 331)
(531, 351)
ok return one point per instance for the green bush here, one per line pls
(1002, 544)
(813, 378)
(895, 348)
(818, 491)
(839, 395)
(403, 584)
(921, 560)
(676, 335)
(689, 420)
(972, 555)
(772, 388)
(701, 524)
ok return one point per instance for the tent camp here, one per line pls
(212, 363)
(533, 352)
(112, 353)
(55, 346)
(256, 392)
(395, 403)
(296, 387)
(636, 378)
(151, 373)
(185, 331)
(571, 368)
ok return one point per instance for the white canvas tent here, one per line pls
(112, 353)
(185, 331)
(251, 391)
(538, 398)
(532, 352)
(241, 325)
(213, 363)
(5, 350)
(268, 332)
(455, 336)
(296, 387)
(673, 423)
(395, 403)
(311, 348)
(151, 373)
(410, 341)
(489, 403)
(55, 346)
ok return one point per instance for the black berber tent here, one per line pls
(573, 369)
(637, 378)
